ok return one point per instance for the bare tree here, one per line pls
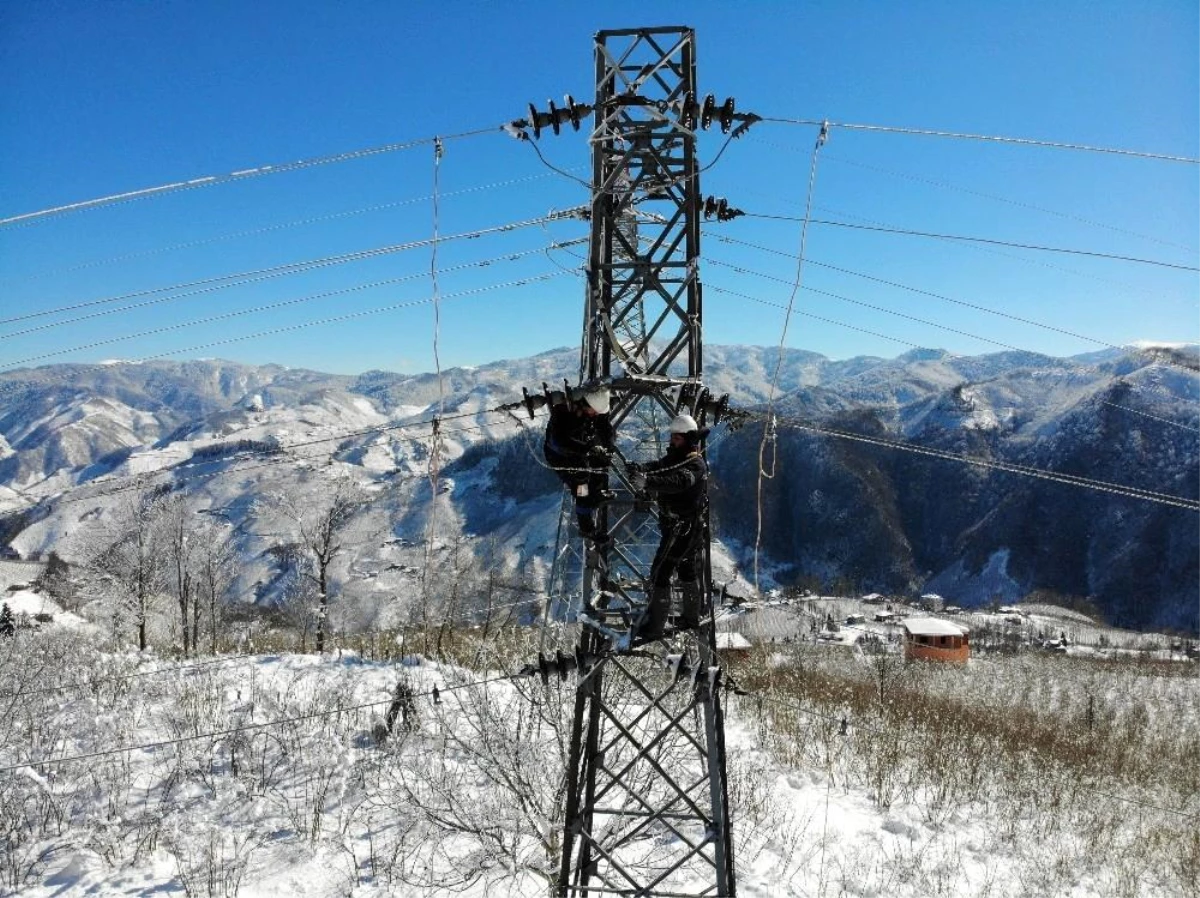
(129, 565)
(487, 784)
(216, 569)
(175, 528)
(321, 516)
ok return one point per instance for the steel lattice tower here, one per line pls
(647, 804)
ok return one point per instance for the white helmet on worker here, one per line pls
(597, 399)
(684, 424)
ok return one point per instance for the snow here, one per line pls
(801, 827)
(932, 626)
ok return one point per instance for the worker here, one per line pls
(578, 446)
(679, 484)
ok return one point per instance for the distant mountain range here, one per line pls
(856, 510)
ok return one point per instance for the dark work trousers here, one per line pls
(678, 550)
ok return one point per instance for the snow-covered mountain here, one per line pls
(74, 439)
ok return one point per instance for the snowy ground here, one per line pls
(258, 776)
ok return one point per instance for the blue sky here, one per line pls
(104, 98)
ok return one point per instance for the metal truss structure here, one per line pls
(647, 805)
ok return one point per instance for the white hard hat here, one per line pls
(684, 424)
(597, 398)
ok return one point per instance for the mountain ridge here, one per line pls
(870, 517)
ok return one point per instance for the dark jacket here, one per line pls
(570, 436)
(679, 482)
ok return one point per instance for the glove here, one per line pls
(637, 481)
(633, 467)
(598, 455)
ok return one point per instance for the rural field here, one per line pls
(1021, 773)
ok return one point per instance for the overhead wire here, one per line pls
(1021, 204)
(866, 305)
(349, 316)
(1129, 492)
(241, 279)
(314, 715)
(1037, 260)
(708, 285)
(970, 239)
(946, 185)
(733, 241)
(267, 229)
(237, 313)
(241, 174)
(435, 450)
(1159, 418)
(991, 138)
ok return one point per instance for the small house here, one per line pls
(934, 639)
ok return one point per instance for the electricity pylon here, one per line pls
(647, 810)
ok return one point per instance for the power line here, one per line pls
(241, 279)
(987, 240)
(1129, 492)
(710, 286)
(163, 743)
(1012, 202)
(866, 305)
(523, 282)
(1134, 411)
(1024, 141)
(241, 174)
(931, 295)
(317, 219)
(946, 185)
(277, 305)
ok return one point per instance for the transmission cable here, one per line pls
(340, 318)
(969, 239)
(1139, 291)
(1134, 411)
(1129, 492)
(866, 305)
(708, 285)
(267, 229)
(1025, 141)
(243, 278)
(946, 185)
(267, 724)
(1012, 202)
(237, 313)
(939, 296)
(241, 174)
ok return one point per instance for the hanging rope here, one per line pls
(768, 430)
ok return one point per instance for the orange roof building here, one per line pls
(934, 639)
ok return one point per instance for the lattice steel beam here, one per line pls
(647, 805)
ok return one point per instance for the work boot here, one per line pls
(655, 617)
(689, 606)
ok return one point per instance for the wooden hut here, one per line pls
(933, 639)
